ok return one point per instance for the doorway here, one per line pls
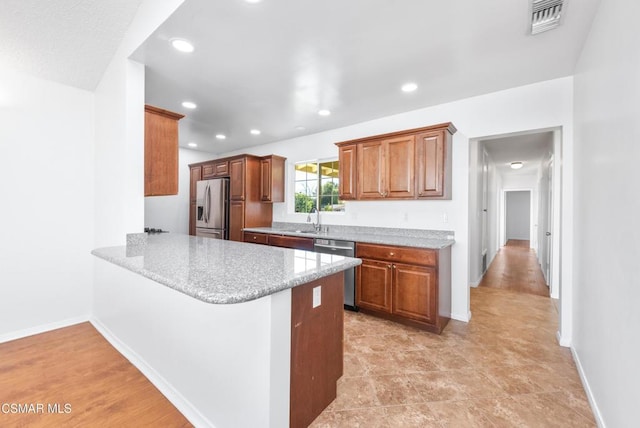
(517, 216)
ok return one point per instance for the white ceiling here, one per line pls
(527, 148)
(67, 41)
(274, 64)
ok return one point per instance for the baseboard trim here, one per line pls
(475, 284)
(178, 400)
(587, 389)
(43, 328)
(461, 317)
(561, 341)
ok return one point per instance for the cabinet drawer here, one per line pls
(295, 242)
(418, 256)
(256, 238)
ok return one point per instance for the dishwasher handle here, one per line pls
(333, 247)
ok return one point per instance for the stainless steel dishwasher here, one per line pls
(341, 248)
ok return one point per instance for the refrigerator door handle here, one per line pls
(207, 198)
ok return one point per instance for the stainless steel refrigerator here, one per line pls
(212, 208)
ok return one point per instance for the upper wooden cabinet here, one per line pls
(434, 164)
(272, 178)
(409, 164)
(215, 169)
(347, 156)
(237, 174)
(160, 151)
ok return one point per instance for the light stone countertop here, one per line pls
(417, 238)
(218, 271)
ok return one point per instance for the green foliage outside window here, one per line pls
(316, 185)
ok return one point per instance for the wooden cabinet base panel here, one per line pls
(432, 328)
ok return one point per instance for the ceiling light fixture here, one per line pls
(252, 1)
(221, 136)
(324, 112)
(189, 104)
(255, 132)
(545, 15)
(300, 128)
(192, 145)
(182, 45)
(409, 87)
(516, 165)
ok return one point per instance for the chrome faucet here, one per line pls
(316, 225)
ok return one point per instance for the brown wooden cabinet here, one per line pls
(196, 175)
(236, 220)
(348, 172)
(409, 164)
(160, 151)
(434, 164)
(295, 242)
(256, 238)
(215, 169)
(237, 174)
(246, 207)
(409, 285)
(272, 178)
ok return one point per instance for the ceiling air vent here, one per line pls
(545, 15)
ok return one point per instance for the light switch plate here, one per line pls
(317, 296)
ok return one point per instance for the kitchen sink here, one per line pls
(305, 231)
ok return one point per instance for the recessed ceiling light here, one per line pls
(516, 165)
(253, 1)
(255, 132)
(189, 104)
(192, 145)
(300, 128)
(221, 136)
(324, 112)
(182, 45)
(409, 87)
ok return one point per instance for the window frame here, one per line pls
(318, 196)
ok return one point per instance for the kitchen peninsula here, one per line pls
(233, 334)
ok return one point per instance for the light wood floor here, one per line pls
(76, 366)
(515, 268)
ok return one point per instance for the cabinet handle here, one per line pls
(393, 266)
(389, 266)
(392, 254)
(255, 237)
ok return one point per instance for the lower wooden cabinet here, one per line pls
(236, 220)
(408, 285)
(256, 238)
(295, 242)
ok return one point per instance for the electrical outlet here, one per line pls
(445, 218)
(317, 296)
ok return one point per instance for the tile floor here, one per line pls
(503, 369)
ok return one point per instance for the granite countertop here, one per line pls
(432, 239)
(218, 271)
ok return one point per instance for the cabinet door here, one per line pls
(432, 157)
(371, 170)
(373, 288)
(347, 164)
(236, 172)
(295, 242)
(400, 167)
(221, 169)
(196, 175)
(160, 152)
(236, 220)
(414, 292)
(265, 180)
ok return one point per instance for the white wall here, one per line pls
(172, 212)
(518, 215)
(119, 138)
(606, 341)
(512, 182)
(46, 186)
(538, 106)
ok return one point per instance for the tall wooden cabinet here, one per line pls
(411, 164)
(160, 151)
(408, 285)
(247, 204)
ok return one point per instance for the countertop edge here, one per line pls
(238, 298)
(383, 239)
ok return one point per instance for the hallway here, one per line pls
(515, 268)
